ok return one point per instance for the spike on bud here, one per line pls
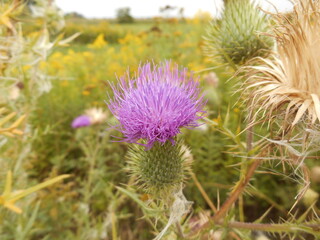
(160, 170)
(235, 39)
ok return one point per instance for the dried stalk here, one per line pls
(203, 193)
(237, 191)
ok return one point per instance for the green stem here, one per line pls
(226, 132)
(180, 231)
(94, 147)
(203, 193)
(114, 227)
(237, 191)
(275, 228)
(310, 228)
(241, 212)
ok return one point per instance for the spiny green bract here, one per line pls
(161, 169)
(235, 37)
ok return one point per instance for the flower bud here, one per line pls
(235, 38)
(310, 197)
(160, 170)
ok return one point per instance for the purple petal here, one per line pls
(156, 103)
(81, 121)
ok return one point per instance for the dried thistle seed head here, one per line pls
(289, 81)
(235, 37)
(160, 170)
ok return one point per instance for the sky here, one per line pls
(150, 8)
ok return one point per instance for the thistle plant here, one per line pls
(11, 130)
(283, 90)
(288, 83)
(235, 38)
(49, 13)
(91, 116)
(151, 108)
(20, 87)
(81, 121)
(272, 95)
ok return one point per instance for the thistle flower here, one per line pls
(156, 103)
(81, 121)
(211, 79)
(289, 81)
(235, 39)
(96, 115)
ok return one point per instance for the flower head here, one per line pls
(81, 121)
(289, 82)
(96, 115)
(235, 38)
(156, 103)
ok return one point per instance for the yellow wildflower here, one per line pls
(177, 33)
(99, 42)
(85, 93)
(64, 83)
(25, 68)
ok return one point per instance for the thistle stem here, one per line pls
(237, 191)
(275, 227)
(250, 133)
(266, 227)
(241, 212)
(180, 231)
(203, 193)
(114, 227)
(249, 139)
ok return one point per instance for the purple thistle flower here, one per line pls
(81, 121)
(156, 103)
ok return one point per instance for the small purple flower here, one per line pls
(81, 121)
(156, 103)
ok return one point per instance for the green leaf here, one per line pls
(28, 191)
